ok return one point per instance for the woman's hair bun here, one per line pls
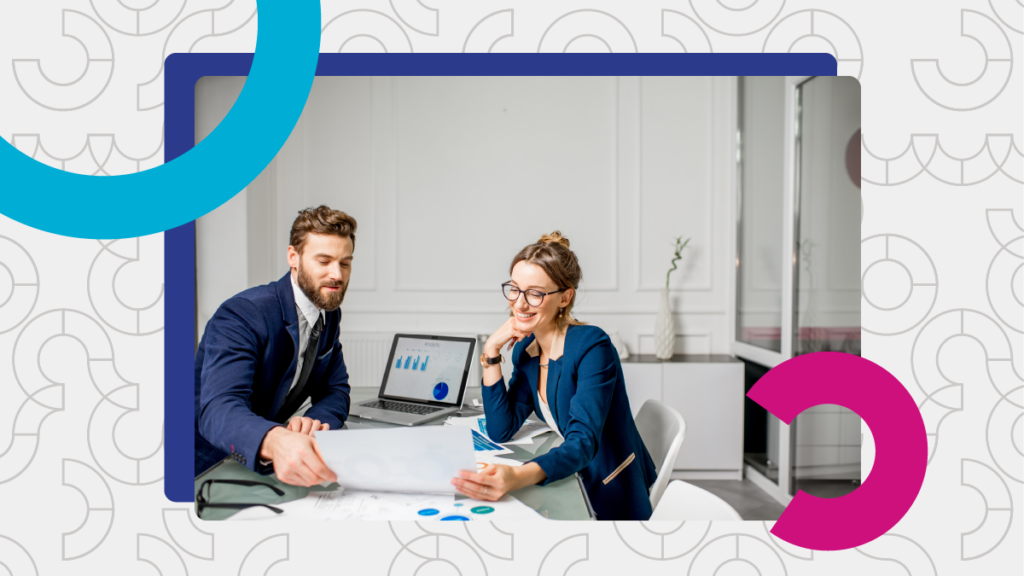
(554, 238)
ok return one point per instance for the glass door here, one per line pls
(797, 277)
(826, 313)
(760, 256)
(760, 205)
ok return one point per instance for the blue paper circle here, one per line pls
(208, 175)
(428, 512)
(462, 518)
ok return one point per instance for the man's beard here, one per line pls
(329, 302)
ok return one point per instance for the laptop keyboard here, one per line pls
(402, 407)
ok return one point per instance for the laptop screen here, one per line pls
(428, 369)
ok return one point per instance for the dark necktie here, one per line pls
(298, 394)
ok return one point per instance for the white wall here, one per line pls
(450, 177)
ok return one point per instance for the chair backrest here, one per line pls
(684, 501)
(662, 429)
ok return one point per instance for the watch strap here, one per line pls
(487, 360)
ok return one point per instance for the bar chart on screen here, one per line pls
(419, 361)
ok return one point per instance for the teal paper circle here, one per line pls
(208, 175)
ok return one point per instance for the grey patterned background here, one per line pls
(81, 341)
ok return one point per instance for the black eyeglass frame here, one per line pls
(203, 502)
(526, 293)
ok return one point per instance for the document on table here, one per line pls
(466, 422)
(527, 431)
(345, 504)
(484, 444)
(483, 459)
(419, 460)
(524, 436)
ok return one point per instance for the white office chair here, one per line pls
(684, 501)
(662, 429)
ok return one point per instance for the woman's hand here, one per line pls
(490, 484)
(508, 333)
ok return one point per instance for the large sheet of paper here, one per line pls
(420, 460)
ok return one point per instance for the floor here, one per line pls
(827, 488)
(752, 503)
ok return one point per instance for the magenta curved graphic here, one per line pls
(901, 447)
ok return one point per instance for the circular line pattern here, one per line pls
(832, 23)
(864, 276)
(15, 285)
(915, 308)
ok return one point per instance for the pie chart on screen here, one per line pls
(440, 391)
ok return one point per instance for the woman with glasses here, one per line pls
(570, 374)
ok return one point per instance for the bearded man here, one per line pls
(269, 349)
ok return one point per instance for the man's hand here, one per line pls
(306, 426)
(296, 457)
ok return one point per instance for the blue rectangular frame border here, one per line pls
(182, 71)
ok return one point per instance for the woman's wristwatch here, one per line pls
(486, 361)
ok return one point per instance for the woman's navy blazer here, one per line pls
(586, 393)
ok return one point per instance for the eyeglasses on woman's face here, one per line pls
(533, 297)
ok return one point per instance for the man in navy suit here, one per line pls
(269, 349)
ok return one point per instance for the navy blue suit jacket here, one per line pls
(245, 365)
(586, 393)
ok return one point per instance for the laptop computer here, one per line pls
(425, 379)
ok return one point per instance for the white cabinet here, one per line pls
(707, 390)
(643, 383)
(710, 398)
(828, 443)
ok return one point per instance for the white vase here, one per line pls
(619, 344)
(664, 329)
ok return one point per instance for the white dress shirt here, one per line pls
(545, 411)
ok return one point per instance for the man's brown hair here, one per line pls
(322, 220)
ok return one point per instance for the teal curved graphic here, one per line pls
(245, 142)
